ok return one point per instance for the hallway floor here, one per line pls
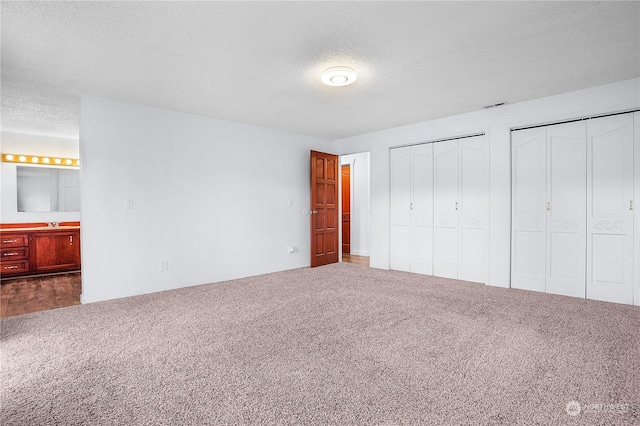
(358, 260)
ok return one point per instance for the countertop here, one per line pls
(41, 228)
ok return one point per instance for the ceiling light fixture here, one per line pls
(339, 76)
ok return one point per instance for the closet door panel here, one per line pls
(472, 208)
(636, 208)
(609, 211)
(422, 209)
(566, 215)
(445, 209)
(528, 209)
(400, 200)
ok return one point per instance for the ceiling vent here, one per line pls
(495, 105)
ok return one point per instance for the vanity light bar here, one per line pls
(35, 159)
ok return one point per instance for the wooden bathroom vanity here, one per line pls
(36, 248)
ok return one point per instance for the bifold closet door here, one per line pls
(473, 218)
(549, 209)
(636, 209)
(529, 197)
(566, 209)
(412, 209)
(421, 208)
(460, 209)
(610, 209)
(445, 215)
(400, 213)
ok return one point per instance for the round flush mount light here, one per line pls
(339, 76)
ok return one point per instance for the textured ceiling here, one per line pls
(260, 62)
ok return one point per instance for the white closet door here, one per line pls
(609, 215)
(473, 221)
(400, 199)
(422, 209)
(567, 211)
(636, 207)
(528, 230)
(445, 209)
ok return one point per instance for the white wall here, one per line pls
(210, 196)
(360, 230)
(496, 123)
(28, 144)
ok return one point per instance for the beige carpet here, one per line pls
(341, 344)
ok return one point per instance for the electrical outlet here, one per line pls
(164, 266)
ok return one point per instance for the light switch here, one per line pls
(289, 202)
(129, 203)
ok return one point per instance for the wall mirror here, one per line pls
(48, 189)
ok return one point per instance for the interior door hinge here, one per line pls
(548, 205)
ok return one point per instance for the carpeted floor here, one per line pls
(340, 344)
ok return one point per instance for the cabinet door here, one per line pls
(472, 209)
(566, 215)
(529, 187)
(56, 251)
(422, 209)
(609, 210)
(400, 200)
(445, 196)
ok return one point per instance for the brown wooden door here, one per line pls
(324, 208)
(346, 208)
(56, 251)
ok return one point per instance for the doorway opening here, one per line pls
(355, 207)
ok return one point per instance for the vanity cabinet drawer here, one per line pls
(10, 254)
(14, 240)
(14, 267)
